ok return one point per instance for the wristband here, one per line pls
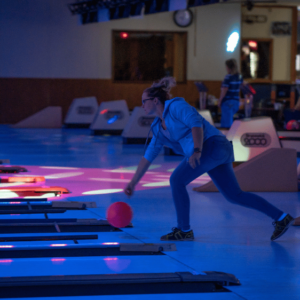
(197, 150)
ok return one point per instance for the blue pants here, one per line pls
(229, 108)
(216, 160)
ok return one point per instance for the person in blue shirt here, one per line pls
(229, 100)
(179, 126)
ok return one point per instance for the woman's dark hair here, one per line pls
(232, 66)
(161, 89)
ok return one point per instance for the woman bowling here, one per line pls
(180, 127)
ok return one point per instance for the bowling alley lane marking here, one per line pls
(47, 195)
(134, 168)
(11, 184)
(63, 175)
(111, 179)
(126, 171)
(100, 192)
(167, 183)
(115, 180)
(8, 194)
(153, 184)
(60, 168)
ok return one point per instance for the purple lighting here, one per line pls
(6, 261)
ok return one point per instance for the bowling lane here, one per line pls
(227, 238)
(89, 265)
(77, 214)
(69, 213)
(24, 245)
(65, 215)
(190, 296)
(103, 237)
(22, 216)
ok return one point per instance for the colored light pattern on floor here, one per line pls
(95, 181)
(58, 261)
(116, 264)
(6, 261)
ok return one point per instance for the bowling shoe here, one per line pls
(281, 227)
(178, 235)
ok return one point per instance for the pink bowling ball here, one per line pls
(119, 214)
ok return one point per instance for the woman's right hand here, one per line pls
(129, 189)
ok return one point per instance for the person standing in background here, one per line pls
(229, 100)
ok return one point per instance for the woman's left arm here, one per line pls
(197, 133)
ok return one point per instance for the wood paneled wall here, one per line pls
(22, 97)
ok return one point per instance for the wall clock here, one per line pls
(183, 18)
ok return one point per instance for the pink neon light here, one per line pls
(14, 202)
(102, 112)
(58, 245)
(110, 243)
(110, 258)
(57, 259)
(6, 261)
(6, 246)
